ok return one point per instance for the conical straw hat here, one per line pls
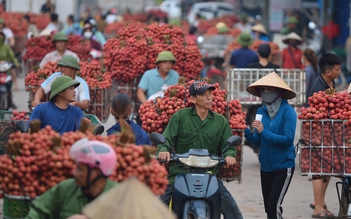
(129, 200)
(259, 28)
(271, 80)
(292, 36)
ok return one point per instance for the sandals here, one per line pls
(326, 212)
(321, 214)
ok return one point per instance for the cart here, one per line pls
(215, 45)
(238, 79)
(327, 155)
(235, 172)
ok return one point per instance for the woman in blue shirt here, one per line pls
(259, 32)
(274, 134)
(122, 109)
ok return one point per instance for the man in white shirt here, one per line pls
(69, 66)
(10, 38)
(243, 25)
(61, 41)
(53, 25)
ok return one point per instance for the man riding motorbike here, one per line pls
(199, 127)
(95, 161)
(69, 66)
(153, 80)
(6, 54)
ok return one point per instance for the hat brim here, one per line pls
(165, 59)
(286, 41)
(271, 80)
(60, 39)
(203, 89)
(63, 63)
(63, 87)
(245, 43)
(259, 29)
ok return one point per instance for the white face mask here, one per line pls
(88, 35)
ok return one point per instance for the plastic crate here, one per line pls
(16, 206)
(100, 102)
(234, 172)
(7, 126)
(129, 88)
(30, 65)
(329, 154)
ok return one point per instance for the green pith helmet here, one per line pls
(223, 30)
(61, 83)
(245, 39)
(59, 36)
(69, 61)
(243, 16)
(165, 56)
(292, 20)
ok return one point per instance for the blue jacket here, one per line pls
(141, 137)
(276, 141)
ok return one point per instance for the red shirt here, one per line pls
(288, 62)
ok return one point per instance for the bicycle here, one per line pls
(344, 195)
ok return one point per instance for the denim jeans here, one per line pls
(229, 208)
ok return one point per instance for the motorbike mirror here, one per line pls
(98, 129)
(22, 126)
(157, 138)
(312, 25)
(200, 40)
(234, 141)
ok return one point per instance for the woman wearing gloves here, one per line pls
(274, 135)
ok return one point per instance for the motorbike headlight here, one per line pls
(199, 161)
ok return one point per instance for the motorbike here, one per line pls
(5, 85)
(196, 194)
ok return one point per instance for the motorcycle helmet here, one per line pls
(95, 154)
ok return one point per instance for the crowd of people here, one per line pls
(192, 127)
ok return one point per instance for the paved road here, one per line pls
(248, 193)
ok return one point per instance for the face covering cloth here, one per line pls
(272, 100)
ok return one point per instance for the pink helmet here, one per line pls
(96, 154)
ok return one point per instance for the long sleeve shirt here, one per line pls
(61, 201)
(6, 54)
(276, 141)
(186, 130)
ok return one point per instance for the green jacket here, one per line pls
(6, 54)
(61, 201)
(185, 130)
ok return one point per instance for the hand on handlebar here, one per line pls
(164, 155)
(230, 161)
